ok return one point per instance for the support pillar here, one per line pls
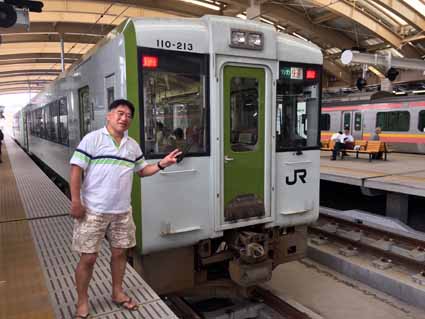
(62, 52)
(398, 206)
(253, 12)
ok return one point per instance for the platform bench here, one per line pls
(372, 148)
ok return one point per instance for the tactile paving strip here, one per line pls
(35, 187)
(52, 238)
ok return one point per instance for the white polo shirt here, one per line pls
(109, 170)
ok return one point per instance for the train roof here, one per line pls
(389, 99)
(287, 47)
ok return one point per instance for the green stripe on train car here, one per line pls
(129, 32)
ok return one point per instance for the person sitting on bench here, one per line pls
(343, 141)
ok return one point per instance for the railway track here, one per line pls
(355, 237)
(262, 304)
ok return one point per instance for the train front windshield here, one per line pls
(175, 102)
(298, 107)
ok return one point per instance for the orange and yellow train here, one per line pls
(401, 119)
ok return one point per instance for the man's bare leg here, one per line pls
(118, 264)
(83, 275)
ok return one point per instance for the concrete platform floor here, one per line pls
(401, 173)
(335, 296)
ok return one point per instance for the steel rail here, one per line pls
(278, 304)
(371, 233)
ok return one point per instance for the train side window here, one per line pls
(393, 121)
(51, 121)
(175, 103)
(110, 96)
(31, 117)
(298, 107)
(38, 120)
(46, 122)
(325, 122)
(63, 122)
(357, 121)
(421, 121)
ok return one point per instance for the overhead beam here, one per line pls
(30, 72)
(377, 47)
(26, 82)
(33, 61)
(325, 17)
(62, 27)
(350, 11)
(28, 38)
(169, 6)
(338, 71)
(414, 38)
(402, 9)
(24, 56)
(20, 89)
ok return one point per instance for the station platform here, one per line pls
(400, 176)
(400, 173)
(36, 261)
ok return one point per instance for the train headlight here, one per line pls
(246, 39)
(255, 40)
(238, 38)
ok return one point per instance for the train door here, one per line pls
(85, 110)
(357, 130)
(346, 121)
(244, 128)
(354, 121)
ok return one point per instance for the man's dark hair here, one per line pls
(119, 102)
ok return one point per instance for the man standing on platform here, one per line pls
(101, 205)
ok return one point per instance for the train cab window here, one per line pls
(63, 122)
(421, 121)
(244, 114)
(393, 121)
(325, 122)
(298, 107)
(175, 103)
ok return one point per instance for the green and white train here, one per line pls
(241, 100)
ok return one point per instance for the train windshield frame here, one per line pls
(174, 92)
(298, 105)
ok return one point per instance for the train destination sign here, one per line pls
(292, 73)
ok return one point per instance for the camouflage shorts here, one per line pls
(89, 232)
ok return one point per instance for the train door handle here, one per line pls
(228, 159)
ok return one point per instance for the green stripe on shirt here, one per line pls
(110, 161)
(140, 161)
(81, 156)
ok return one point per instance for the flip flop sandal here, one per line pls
(122, 304)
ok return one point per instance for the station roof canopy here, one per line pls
(31, 58)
